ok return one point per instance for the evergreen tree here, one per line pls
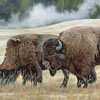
(8, 7)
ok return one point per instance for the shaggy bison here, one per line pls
(24, 56)
(77, 50)
(20, 54)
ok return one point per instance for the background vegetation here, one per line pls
(9, 7)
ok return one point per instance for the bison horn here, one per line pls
(59, 47)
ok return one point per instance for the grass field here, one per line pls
(50, 88)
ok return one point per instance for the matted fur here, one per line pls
(81, 49)
(23, 55)
(20, 53)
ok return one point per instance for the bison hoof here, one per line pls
(39, 80)
(79, 86)
(63, 86)
(85, 86)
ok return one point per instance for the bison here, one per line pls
(77, 50)
(20, 54)
(24, 56)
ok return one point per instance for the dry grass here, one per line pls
(50, 89)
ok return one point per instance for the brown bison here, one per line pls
(24, 55)
(20, 54)
(78, 50)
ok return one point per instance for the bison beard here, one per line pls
(81, 52)
(26, 75)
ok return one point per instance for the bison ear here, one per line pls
(59, 47)
(17, 40)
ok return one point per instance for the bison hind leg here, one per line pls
(12, 76)
(30, 74)
(80, 81)
(66, 77)
(39, 79)
(25, 76)
(3, 77)
(35, 80)
(91, 78)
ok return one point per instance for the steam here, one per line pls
(41, 16)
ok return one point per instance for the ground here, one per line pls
(50, 88)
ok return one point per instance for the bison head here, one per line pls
(54, 54)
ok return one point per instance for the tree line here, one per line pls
(9, 7)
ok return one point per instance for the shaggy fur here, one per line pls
(23, 55)
(81, 49)
(8, 77)
(79, 54)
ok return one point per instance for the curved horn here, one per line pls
(59, 47)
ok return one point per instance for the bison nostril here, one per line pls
(46, 64)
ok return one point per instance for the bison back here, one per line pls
(81, 47)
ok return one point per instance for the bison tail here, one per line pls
(92, 76)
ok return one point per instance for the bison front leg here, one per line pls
(24, 74)
(91, 78)
(39, 72)
(66, 77)
(24, 83)
(35, 80)
(85, 83)
(80, 81)
(37, 75)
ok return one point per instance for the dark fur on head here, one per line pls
(52, 55)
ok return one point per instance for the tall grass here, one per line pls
(50, 89)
